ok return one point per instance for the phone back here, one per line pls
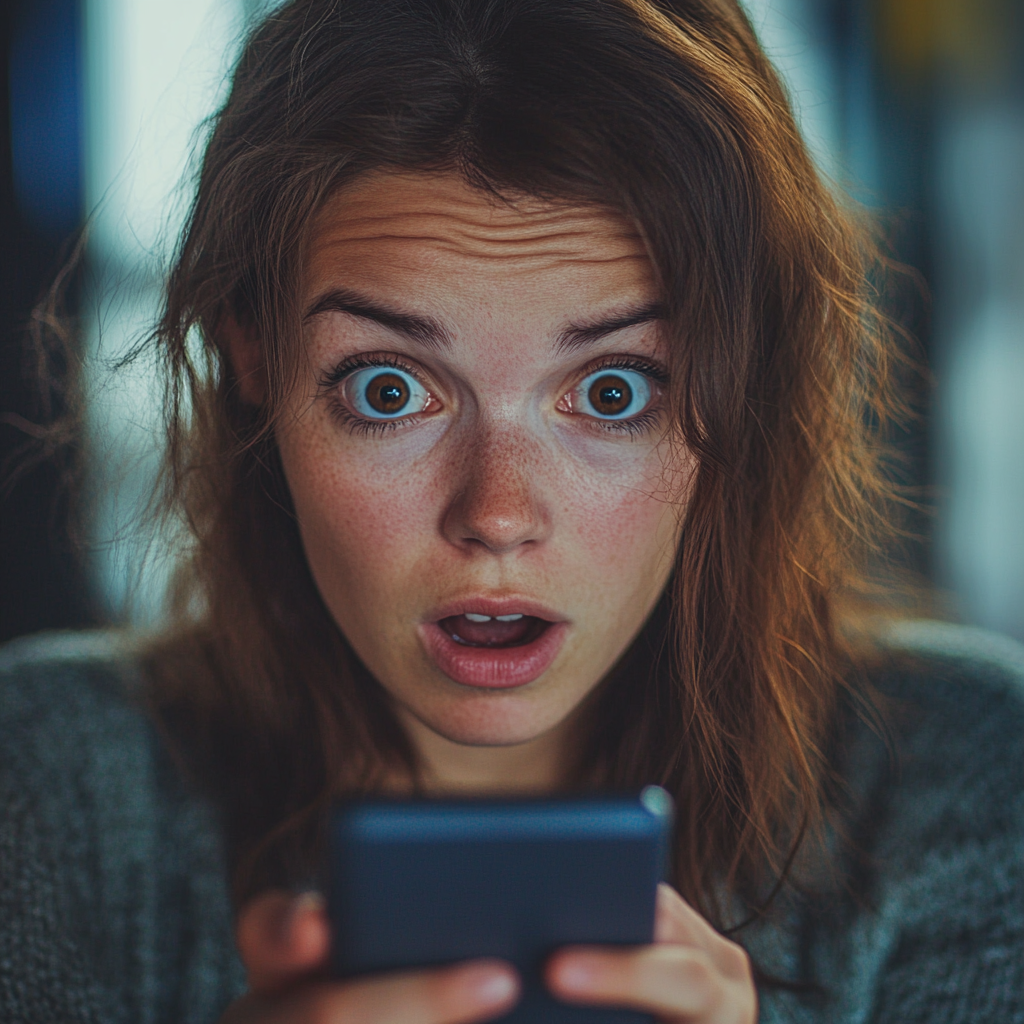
(424, 883)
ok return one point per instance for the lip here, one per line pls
(488, 667)
(493, 606)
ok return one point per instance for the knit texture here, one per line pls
(114, 903)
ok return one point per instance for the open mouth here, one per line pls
(505, 649)
(500, 631)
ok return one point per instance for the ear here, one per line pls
(245, 354)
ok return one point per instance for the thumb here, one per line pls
(282, 938)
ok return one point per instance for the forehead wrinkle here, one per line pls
(510, 251)
(484, 239)
(444, 227)
(496, 218)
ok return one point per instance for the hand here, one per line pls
(284, 942)
(691, 975)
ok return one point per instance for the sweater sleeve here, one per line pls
(935, 933)
(956, 951)
(950, 836)
(114, 899)
(43, 975)
(924, 921)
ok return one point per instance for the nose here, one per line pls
(496, 503)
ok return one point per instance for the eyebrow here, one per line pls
(433, 334)
(424, 330)
(577, 336)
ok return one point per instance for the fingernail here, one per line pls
(576, 975)
(308, 900)
(491, 986)
(299, 905)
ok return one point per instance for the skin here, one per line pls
(504, 486)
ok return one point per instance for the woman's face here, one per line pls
(478, 451)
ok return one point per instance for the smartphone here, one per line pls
(424, 883)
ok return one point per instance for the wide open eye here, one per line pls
(384, 393)
(612, 394)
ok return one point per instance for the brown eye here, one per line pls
(610, 395)
(613, 393)
(387, 393)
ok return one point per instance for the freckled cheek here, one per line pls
(626, 556)
(363, 524)
(622, 518)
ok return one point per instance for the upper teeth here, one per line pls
(474, 617)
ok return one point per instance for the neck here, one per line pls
(457, 769)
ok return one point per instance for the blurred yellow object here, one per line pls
(966, 37)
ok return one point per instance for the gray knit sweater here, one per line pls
(113, 904)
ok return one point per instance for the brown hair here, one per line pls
(664, 110)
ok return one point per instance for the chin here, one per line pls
(489, 720)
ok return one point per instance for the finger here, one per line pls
(668, 980)
(463, 994)
(677, 922)
(453, 995)
(282, 938)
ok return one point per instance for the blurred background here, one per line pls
(916, 107)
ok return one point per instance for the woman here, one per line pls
(524, 413)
